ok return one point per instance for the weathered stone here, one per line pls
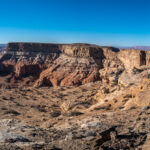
(68, 64)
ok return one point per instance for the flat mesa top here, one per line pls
(50, 47)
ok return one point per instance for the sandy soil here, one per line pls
(62, 118)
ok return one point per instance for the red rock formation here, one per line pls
(66, 64)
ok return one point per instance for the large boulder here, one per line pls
(143, 98)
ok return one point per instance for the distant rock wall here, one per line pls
(33, 47)
(148, 58)
(133, 58)
(74, 50)
(68, 64)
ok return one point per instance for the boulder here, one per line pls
(143, 98)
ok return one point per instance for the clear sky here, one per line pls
(103, 22)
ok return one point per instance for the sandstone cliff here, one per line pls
(66, 64)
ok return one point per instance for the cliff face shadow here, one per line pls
(142, 58)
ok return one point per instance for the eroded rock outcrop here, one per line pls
(67, 64)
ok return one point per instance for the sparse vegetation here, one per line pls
(75, 113)
(55, 113)
(13, 112)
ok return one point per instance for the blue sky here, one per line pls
(103, 22)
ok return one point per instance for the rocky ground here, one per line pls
(75, 117)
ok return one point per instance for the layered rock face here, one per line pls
(40, 64)
(133, 58)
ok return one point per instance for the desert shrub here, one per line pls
(75, 113)
(12, 112)
(56, 113)
(100, 107)
(4, 98)
(3, 108)
(40, 108)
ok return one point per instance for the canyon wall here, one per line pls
(132, 58)
(41, 64)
